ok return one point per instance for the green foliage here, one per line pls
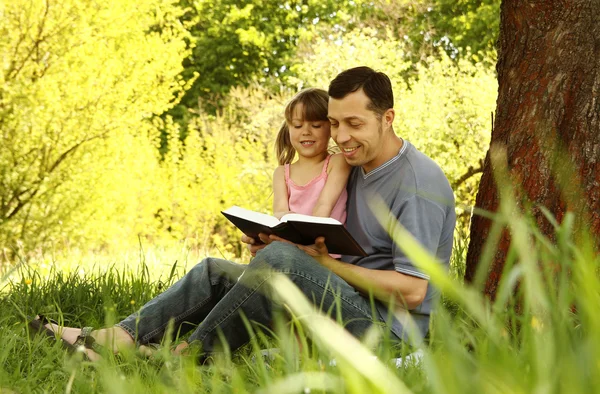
(468, 24)
(84, 171)
(446, 113)
(217, 166)
(319, 60)
(79, 79)
(469, 27)
(236, 42)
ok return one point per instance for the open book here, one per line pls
(297, 228)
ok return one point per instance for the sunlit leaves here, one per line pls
(76, 74)
(236, 42)
(446, 113)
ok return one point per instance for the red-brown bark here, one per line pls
(547, 119)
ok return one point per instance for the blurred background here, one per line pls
(129, 123)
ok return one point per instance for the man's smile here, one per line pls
(350, 151)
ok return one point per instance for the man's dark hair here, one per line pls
(376, 85)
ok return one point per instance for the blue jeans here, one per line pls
(213, 295)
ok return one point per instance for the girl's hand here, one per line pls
(254, 246)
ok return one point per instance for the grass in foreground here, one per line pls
(477, 346)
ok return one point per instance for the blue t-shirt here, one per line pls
(420, 198)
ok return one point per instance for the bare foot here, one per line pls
(181, 349)
(147, 351)
(150, 351)
(113, 338)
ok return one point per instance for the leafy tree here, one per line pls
(463, 24)
(75, 75)
(320, 59)
(236, 42)
(454, 25)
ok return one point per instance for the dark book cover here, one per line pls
(337, 238)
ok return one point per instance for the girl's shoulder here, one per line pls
(279, 171)
(337, 162)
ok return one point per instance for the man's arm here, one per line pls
(386, 286)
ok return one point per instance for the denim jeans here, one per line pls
(210, 298)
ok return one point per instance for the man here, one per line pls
(216, 293)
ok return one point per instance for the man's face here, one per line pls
(357, 131)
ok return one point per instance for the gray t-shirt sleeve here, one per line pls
(424, 219)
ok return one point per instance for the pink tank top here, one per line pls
(302, 199)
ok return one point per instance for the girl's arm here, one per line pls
(280, 194)
(338, 172)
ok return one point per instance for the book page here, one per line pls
(256, 217)
(298, 217)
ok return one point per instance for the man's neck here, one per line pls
(391, 147)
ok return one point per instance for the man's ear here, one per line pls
(388, 117)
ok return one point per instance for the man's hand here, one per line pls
(254, 246)
(316, 250)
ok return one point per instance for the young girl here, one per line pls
(315, 184)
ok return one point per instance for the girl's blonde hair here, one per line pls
(314, 102)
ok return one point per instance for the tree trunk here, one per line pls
(547, 120)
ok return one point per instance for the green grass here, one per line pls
(477, 346)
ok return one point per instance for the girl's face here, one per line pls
(309, 139)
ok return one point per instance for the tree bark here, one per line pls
(547, 120)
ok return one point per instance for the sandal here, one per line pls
(86, 340)
(38, 326)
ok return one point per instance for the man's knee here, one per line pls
(280, 256)
(216, 268)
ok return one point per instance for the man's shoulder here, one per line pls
(416, 176)
(410, 167)
(427, 173)
(420, 161)
(408, 173)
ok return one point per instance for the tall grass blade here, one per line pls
(331, 336)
